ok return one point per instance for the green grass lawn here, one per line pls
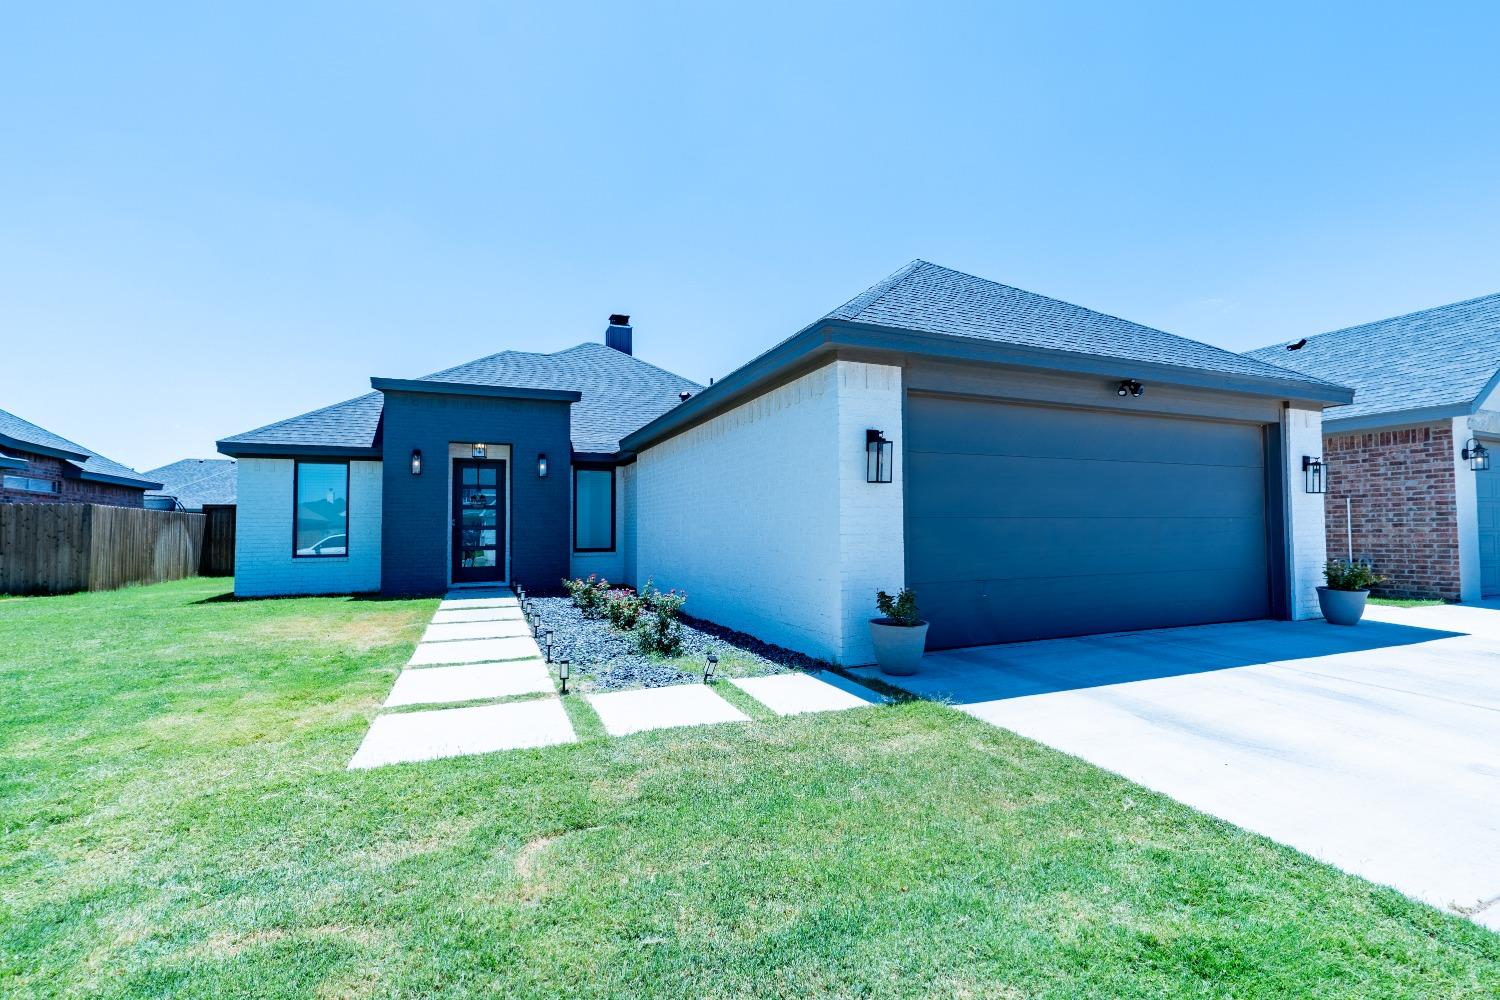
(176, 820)
(1405, 602)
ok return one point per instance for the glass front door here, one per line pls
(478, 521)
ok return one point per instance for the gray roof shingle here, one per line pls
(1436, 358)
(25, 432)
(931, 299)
(620, 393)
(197, 481)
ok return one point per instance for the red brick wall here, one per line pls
(73, 490)
(1404, 512)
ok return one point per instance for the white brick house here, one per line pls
(1051, 471)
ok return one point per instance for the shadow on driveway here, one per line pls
(1015, 670)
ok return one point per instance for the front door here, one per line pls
(478, 521)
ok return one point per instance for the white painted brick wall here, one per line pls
(763, 515)
(263, 562)
(1303, 430)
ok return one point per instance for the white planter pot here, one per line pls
(898, 648)
(1342, 607)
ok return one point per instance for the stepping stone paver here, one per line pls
(475, 651)
(477, 615)
(794, 694)
(470, 682)
(457, 603)
(625, 712)
(447, 631)
(456, 732)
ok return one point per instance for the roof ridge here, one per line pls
(640, 361)
(874, 293)
(1379, 322)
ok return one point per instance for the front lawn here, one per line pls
(176, 820)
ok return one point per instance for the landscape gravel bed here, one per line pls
(608, 660)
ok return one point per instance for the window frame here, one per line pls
(52, 486)
(613, 513)
(297, 464)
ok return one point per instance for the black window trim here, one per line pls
(595, 467)
(297, 464)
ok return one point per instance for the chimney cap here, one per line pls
(619, 319)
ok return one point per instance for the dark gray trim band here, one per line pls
(1394, 418)
(436, 388)
(832, 336)
(7, 462)
(247, 449)
(42, 449)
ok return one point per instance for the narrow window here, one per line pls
(320, 509)
(594, 510)
(31, 484)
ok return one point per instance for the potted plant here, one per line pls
(899, 635)
(1349, 583)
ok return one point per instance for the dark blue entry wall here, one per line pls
(417, 509)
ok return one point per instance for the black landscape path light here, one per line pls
(711, 664)
(562, 675)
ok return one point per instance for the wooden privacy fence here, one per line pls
(218, 541)
(57, 548)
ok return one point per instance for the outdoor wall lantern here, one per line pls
(709, 667)
(1313, 471)
(1477, 455)
(1130, 387)
(478, 450)
(878, 454)
(541, 465)
(562, 675)
(416, 461)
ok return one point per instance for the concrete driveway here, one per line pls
(1375, 748)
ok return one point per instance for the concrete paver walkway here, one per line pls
(625, 712)
(475, 651)
(454, 732)
(503, 628)
(469, 682)
(796, 694)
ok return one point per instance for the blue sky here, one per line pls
(213, 218)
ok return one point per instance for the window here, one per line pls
(31, 484)
(594, 510)
(320, 509)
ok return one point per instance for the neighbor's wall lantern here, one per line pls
(878, 456)
(541, 465)
(1315, 472)
(416, 461)
(1477, 455)
(478, 450)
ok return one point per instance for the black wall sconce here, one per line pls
(1477, 455)
(416, 461)
(541, 465)
(1130, 387)
(878, 457)
(1313, 471)
(478, 450)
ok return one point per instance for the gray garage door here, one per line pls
(1030, 522)
(1488, 484)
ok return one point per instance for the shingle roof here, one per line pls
(1442, 357)
(620, 393)
(25, 432)
(197, 481)
(931, 299)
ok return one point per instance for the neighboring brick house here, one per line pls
(1029, 467)
(1425, 391)
(37, 466)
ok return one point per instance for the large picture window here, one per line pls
(320, 510)
(593, 510)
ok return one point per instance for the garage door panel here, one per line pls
(1029, 547)
(961, 426)
(1487, 485)
(1029, 522)
(1065, 606)
(1010, 486)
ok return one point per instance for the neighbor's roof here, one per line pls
(619, 394)
(197, 481)
(1437, 362)
(929, 310)
(23, 435)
